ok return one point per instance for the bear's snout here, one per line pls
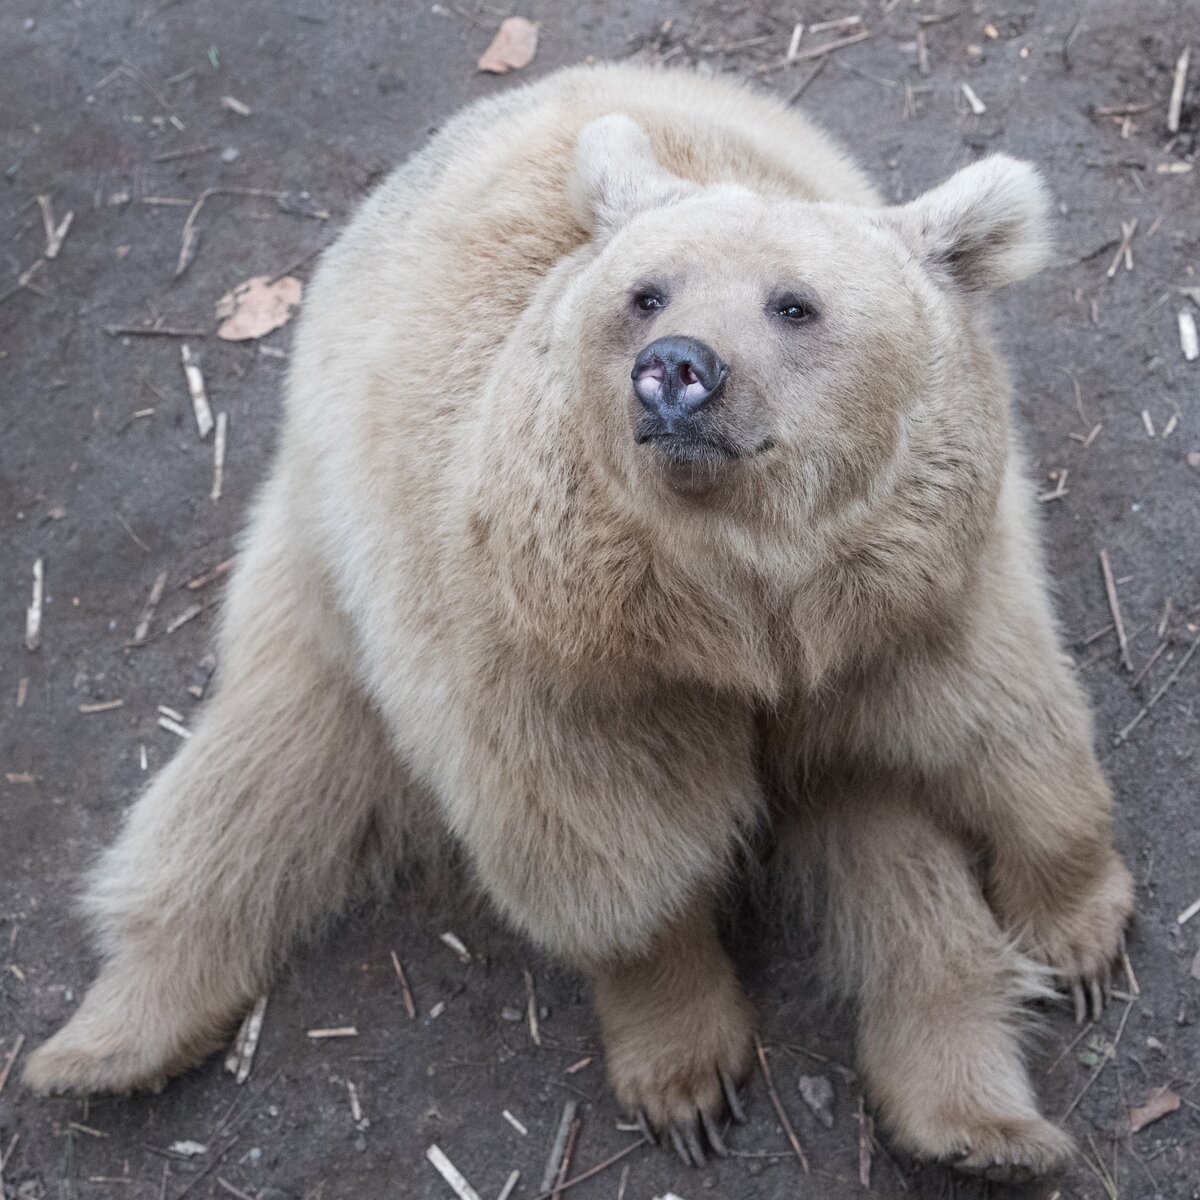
(674, 377)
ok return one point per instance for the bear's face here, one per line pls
(746, 351)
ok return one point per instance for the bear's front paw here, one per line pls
(1081, 941)
(678, 1071)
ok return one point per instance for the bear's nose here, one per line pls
(674, 376)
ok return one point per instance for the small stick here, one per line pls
(509, 1184)
(1104, 1061)
(356, 1109)
(531, 1010)
(1114, 607)
(777, 1104)
(172, 155)
(133, 537)
(405, 990)
(864, 1144)
(581, 1065)
(794, 44)
(202, 581)
(450, 1173)
(218, 458)
(1188, 913)
(1174, 675)
(9, 1059)
(148, 609)
(174, 727)
(153, 331)
(1071, 1045)
(807, 81)
(568, 1151)
(1129, 975)
(187, 246)
(1148, 422)
(923, 67)
(55, 234)
(550, 1174)
(591, 1172)
(341, 1031)
(836, 23)
(829, 47)
(103, 707)
(977, 106)
(1178, 85)
(33, 614)
(1149, 663)
(456, 944)
(195, 385)
(1124, 248)
(190, 613)
(515, 1123)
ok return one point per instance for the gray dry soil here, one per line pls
(103, 476)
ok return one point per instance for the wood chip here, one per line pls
(340, 1031)
(195, 386)
(102, 707)
(512, 48)
(218, 458)
(234, 105)
(240, 1058)
(33, 614)
(451, 1174)
(1178, 86)
(1188, 341)
(977, 106)
(1160, 1102)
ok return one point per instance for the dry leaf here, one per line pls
(512, 48)
(257, 306)
(1160, 1102)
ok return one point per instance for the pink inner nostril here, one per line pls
(687, 375)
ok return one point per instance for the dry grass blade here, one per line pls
(1114, 607)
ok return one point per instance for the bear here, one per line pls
(648, 506)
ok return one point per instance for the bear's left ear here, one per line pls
(616, 175)
(984, 227)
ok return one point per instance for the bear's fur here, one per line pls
(479, 589)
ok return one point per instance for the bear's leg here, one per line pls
(939, 986)
(677, 1032)
(268, 818)
(1055, 881)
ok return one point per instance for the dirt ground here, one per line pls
(107, 108)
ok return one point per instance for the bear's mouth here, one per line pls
(691, 449)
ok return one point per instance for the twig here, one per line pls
(558, 1149)
(218, 458)
(1174, 675)
(568, 1151)
(405, 990)
(55, 233)
(450, 1173)
(815, 52)
(1108, 1055)
(148, 609)
(153, 331)
(592, 1172)
(33, 614)
(195, 386)
(509, 1184)
(172, 155)
(777, 1104)
(10, 1058)
(1178, 85)
(531, 1010)
(202, 581)
(1124, 248)
(1114, 606)
(821, 65)
(187, 245)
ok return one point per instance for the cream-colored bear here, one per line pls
(647, 488)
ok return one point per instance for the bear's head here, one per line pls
(767, 355)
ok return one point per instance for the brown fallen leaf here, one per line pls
(256, 307)
(1160, 1102)
(512, 48)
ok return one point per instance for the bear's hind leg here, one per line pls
(938, 984)
(269, 818)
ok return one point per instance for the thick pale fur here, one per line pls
(468, 592)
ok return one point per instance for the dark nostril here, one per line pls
(687, 375)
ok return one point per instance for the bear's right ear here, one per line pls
(616, 175)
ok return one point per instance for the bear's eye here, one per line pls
(648, 301)
(795, 309)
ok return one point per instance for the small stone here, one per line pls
(508, 1013)
(230, 154)
(817, 1092)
